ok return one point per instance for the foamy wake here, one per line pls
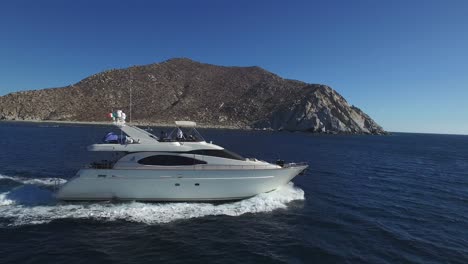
(148, 213)
(4, 200)
(35, 181)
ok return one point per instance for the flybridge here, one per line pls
(137, 140)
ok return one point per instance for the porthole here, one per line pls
(177, 184)
(197, 184)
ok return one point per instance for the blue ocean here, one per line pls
(401, 198)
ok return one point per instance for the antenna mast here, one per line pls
(130, 103)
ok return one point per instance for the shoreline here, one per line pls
(150, 124)
(171, 125)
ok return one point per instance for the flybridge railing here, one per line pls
(233, 167)
(288, 165)
(207, 167)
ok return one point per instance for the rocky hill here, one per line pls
(182, 89)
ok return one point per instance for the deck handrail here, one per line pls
(208, 167)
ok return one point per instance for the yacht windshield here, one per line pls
(182, 134)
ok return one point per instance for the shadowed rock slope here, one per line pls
(182, 89)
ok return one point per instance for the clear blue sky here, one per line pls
(405, 63)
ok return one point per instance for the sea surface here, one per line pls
(401, 198)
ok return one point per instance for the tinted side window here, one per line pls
(168, 160)
(221, 153)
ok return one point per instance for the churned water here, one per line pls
(365, 199)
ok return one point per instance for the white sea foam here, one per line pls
(35, 181)
(148, 213)
(4, 200)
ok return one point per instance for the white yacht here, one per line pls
(178, 167)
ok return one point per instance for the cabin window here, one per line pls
(169, 160)
(220, 153)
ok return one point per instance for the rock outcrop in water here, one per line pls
(182, 89)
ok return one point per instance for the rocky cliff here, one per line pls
(182, 89)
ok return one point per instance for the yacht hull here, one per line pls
(174, 185)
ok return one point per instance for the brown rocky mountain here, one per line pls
(182, 89)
